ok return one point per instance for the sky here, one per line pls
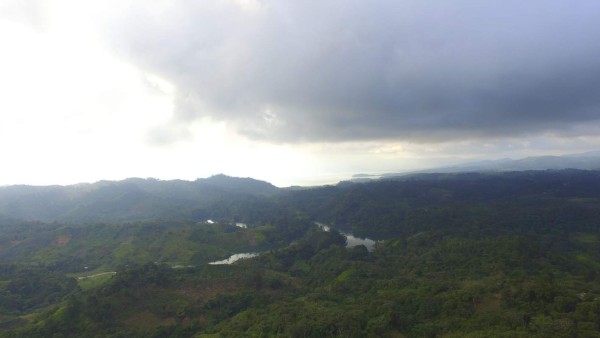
(291, 92)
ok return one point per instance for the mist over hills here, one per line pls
(137, 199)
(126, 200)
(583, 161)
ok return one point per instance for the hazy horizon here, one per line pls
(318, 180)
(294, 93)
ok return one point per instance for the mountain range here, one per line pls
(127, 200)
(137, 199)
(584, 161)
(475, 254)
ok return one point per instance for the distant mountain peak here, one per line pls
(125, 200)
(584, 161)
(240, 184)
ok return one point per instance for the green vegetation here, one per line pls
(95, 280)
(502, 255)
(425, 287)
(25, 288)
(107, 247)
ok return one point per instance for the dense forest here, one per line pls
(513, 254)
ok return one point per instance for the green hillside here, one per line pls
(107, 247)
(132, 199)
(459, 255)
(425, 286)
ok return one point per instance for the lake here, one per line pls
(235, 258)
(351, 241)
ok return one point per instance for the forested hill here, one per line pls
(127, 200)
(460, 255)
(468, 202)
(379, 208)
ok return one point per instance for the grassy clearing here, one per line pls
(585, 238)
(93, 281)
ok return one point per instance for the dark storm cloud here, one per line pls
(298, 71)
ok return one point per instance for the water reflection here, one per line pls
(235, 258)
(351, 241)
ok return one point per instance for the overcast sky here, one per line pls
(292, 92)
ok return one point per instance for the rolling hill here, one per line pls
(494, 254)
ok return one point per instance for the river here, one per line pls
(351, 241)
(235, 258)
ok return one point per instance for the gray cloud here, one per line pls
(295, 71)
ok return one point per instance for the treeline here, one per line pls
(24, 288)
(536, 201)
(463, 255)
(90, 247)
(429, 285)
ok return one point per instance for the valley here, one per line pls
(511, 254)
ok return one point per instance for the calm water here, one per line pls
(235, 258)
(351, 241)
